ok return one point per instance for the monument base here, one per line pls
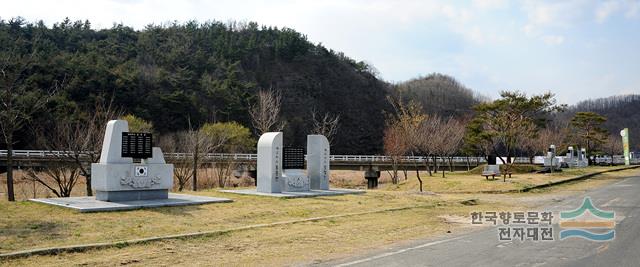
(300, 194)
(90, 204)
(131, 195)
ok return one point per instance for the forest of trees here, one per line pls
(439, 94)
(184, 75)
(621, 112)
(179, 76)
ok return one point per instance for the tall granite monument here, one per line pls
(318, 152)
(270, 163)
(117, 178)
(121, 183)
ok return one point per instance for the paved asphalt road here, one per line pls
(482, 248)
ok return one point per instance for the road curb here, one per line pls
(529, 188)
(572, 179)
(126, 243)
(577, 178)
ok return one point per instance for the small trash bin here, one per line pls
(372, 178)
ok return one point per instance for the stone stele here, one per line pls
(116, 178)
(273, 181)
(318, 161)
(270, 163)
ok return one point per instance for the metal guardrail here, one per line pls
(43, 154)
(617, 159)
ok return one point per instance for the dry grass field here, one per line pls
(26, 225)
(459, 181)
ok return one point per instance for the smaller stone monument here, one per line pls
(281, 170)
(318, 161)
(583, 161)
(551, 162)
(571, 157)
(576, 158)
(270, 163)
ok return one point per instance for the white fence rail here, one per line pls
(44, 154)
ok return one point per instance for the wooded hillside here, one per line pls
(621, 111)
(181, 74)
(439, 94)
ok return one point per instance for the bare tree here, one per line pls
(182, 169)
(183, 144)
(265, 114)
(18, 100)
(59, 178)
(215, 139)
(428, 140)
(198, 145)
(223, 171)
(613, 146)
(539, 144)
(409, 118)
(79, 141)
(395, 147)
(451, 133)
(326, 125)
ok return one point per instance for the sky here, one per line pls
(577, 49)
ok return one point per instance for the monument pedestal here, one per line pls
(295, 181)
(132, 195)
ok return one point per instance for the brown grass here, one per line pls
(460, 182)
(27, 225)
(284, 245)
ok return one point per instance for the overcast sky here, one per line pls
(576, 49)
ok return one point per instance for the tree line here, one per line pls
(181, 75)
(513, 125)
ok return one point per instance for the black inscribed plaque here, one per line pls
(491, 160)
(293, 158)
(136, 145)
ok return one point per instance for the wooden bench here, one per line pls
(491, 170)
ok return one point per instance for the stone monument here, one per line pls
(551, 160)
(117, 178)
(583, 161)
(318, 152)
(281, 170)
(576, 158)
(571, 157)
(122, 184)
(270, 163)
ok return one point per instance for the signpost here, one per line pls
(625, 143)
